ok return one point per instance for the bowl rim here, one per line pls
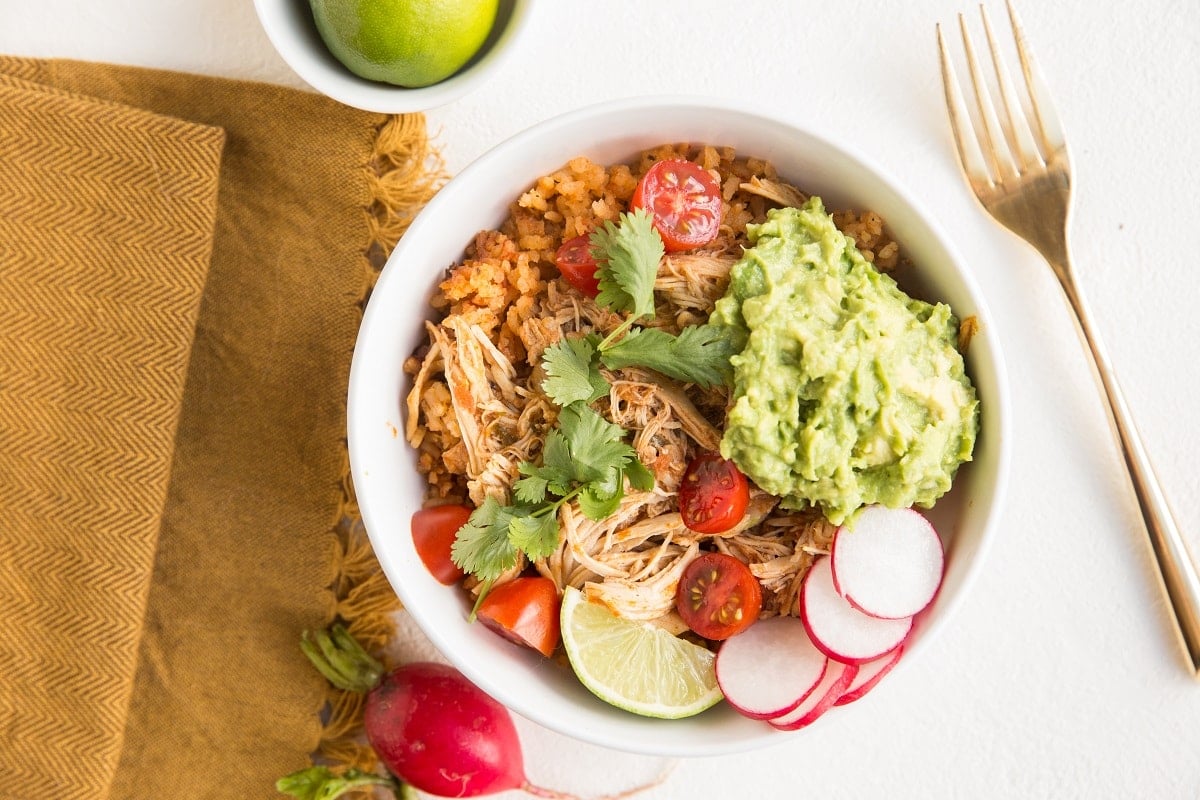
(999, 405)
(339, 83)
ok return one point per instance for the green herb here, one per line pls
(482, 546)
(571, 371)
(322, 783)
(699, 354)
(628, 255)
(584, 457)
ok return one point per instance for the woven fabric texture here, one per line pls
(247, 556)
(106, 232)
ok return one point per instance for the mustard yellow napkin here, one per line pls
(248, 549)
(106, 228)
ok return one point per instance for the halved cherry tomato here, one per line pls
(575, 262)
(718, 596)
(525, 611)
(713, 494)
(433, 532)
(685, 201)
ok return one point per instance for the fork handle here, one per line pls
(1175, 565)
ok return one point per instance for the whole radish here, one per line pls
(431, 727)
(434, 729)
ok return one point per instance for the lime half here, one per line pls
(634, 665)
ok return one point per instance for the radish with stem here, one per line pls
(431, 727)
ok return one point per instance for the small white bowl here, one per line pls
(290, 27)
(389, 489)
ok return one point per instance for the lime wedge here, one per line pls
(634, 665)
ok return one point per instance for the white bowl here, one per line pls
(290, 27)
(383, 465)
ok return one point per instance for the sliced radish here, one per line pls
(767, 669)
(868, 675)
(888, 563)
(838, 629)
(838, 677)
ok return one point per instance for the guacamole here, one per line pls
(846, 391)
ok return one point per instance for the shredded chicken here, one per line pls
(779, 554)
(664, 421)
(640, 596)
(693, 282)
(782, 194)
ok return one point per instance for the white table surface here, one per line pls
(1060, 676)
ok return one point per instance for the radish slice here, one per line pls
(889, 563)
(868, 675)
(838, 629)
(838, 677)
(767, 669)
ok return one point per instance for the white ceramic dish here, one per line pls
(390, 489)
(290, 27)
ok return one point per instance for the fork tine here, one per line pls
(1048, 125)
(1021, 141)
(970, 157)
(995, 145)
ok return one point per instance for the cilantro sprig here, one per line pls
(699, 354)
(585, 457)
(572, 375)
(627, 255)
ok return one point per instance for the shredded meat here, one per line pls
(781, 194)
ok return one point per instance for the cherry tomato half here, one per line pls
(525, 611)
(718, 596)
(574, 260)
(433, 532)
(685, 201)
(713, 494)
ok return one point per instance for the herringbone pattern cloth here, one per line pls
(97, 330)
(106, 232)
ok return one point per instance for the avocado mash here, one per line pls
(847, 391)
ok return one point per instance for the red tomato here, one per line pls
(718, 596)
(525, 611)
(685, 200)
(433, 532)
(575, 262)
(713, 494)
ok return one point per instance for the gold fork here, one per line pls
(1021, 174)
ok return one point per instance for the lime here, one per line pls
(406, 42)
(635, 665)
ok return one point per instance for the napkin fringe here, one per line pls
(405, 171)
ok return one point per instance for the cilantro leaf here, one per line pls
(482, 546)
(536, 533)
(699, 354)
(558, 468)
(628, 256)
(532, 488)
(596, 445)
(572, 373)
(640, 476)
(598, 501)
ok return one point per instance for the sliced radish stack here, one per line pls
(838, 629)
(868, 675)
(769, 668)
(838, 677)
(888, 563)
